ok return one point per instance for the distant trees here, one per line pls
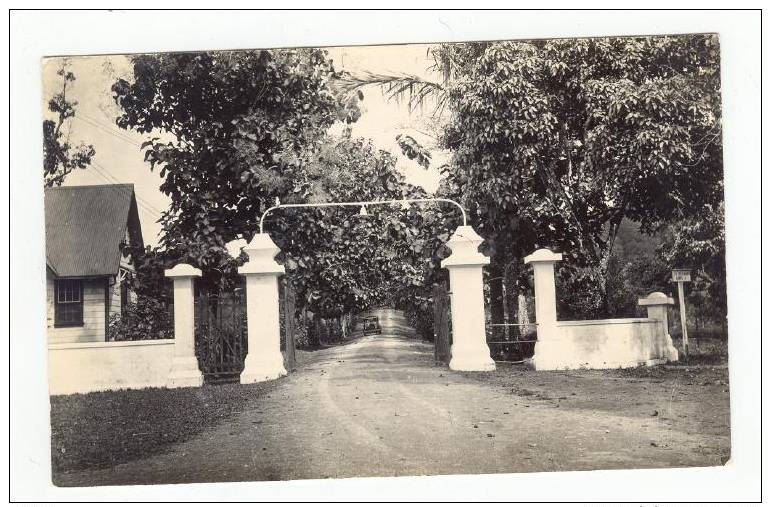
(698, 243)
(60, 156)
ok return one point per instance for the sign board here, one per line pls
(681, 275)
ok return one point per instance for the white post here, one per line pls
(683, 320)
(549, 352)
(184, 366)
(264, 360)
(469, 341)
(656, 304)
(543, 261)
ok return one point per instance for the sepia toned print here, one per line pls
(466, 258)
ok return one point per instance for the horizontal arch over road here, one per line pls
(402, 202)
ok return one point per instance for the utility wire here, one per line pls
(119, 135)
(113, 179)
(108, 130)
(152, 214)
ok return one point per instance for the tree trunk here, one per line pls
(510, 302)
(497, 316)
(315, 336)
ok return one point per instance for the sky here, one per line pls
(119, 158)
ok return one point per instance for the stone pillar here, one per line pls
(469, 349)
(656, 304)
(549, 352)
(543, 261)
(264, 360)
(184, 366)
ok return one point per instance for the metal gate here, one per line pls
(442, 329)
(513, 342)
(220, 335)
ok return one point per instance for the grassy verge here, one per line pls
(691, 398)
(98, 430)
(704, 350)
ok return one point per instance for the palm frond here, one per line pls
(394, 86)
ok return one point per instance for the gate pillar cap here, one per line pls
(182, 270)
(464, 244)
(543, 255)
(655, 299)
(262, 252)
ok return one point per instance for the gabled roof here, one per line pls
(85, 226)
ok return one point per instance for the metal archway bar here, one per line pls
(363, 203)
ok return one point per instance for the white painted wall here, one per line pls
(92, 329)
(103, 366)
(609, 343)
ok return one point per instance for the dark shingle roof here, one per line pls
(85, 226)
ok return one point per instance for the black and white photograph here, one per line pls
(480, 256)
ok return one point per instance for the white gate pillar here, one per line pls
(184, 365)
(469, 349)
(543, 262)
(264, 360)
(547, 346)
(656, 304)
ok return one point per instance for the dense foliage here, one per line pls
(555, 142)
(237, 131)
(148, 314)
(232, 129)
(698, 243)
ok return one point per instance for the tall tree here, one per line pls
(555, 142)
(60, 157)
(233, 132)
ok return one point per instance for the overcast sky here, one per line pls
(119, 158)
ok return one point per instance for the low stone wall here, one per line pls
(609, 343)
(104, 366)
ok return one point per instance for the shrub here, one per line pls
(146, 319)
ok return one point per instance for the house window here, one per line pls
(68, 308)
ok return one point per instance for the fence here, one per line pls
(220, 334)
(513, 339)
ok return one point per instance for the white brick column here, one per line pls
(264, 360)
(656, 304)
(184, 367)
(469, 341)
(543, 262)
(548, 351)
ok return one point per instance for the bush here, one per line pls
(422, 321)
(147, 319)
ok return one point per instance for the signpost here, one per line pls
(681, 276)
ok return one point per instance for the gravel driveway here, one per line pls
(379, 406)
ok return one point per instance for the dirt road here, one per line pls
(379, 406)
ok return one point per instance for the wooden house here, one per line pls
(86, 229)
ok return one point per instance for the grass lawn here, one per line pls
(98, 430)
